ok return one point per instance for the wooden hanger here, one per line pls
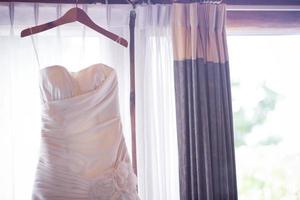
(73, 15)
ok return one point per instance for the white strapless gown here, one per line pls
(83, 154)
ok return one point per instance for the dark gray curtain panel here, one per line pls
(203, 103)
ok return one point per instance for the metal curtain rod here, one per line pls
(228, 2)
(111, 1)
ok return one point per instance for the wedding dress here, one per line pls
(83, 154)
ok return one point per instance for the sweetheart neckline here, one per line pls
(112, 75)
(74, 72)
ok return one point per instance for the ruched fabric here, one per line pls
(83, 154)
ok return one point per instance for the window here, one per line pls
(265, 75)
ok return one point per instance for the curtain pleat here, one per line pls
(203, 103)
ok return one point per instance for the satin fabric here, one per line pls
(83, 154)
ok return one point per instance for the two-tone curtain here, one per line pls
(203, 103)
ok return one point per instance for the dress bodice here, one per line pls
(58, 83)
(83, 151)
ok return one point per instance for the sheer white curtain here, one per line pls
(76, 47)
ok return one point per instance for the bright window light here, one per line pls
(265, 75)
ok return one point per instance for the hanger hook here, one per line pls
(76, 4)
(133, 3)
